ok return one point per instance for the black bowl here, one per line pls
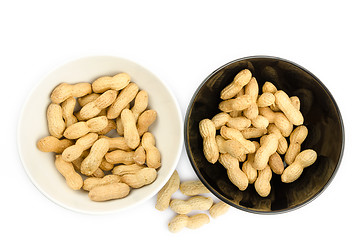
(322, 118)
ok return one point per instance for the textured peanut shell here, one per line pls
(283, 102)
(293, 171)
(73, 152)
(239, 123)
(52, 144)
(283, 145)
(131, 133)
(237, 104)
(240, 80)
(207, 131)
(117, 82)
(126, 169)
(141, 178)
(124, 98)
(120, 156)
(218, 209)
(140, 155)
(110, 126)
(276, 163)
(267, 147)
(140, 103)
(68, 111)
(260, 122)
(220, 119)
(262, 183)
(109, 192)
(73, 179)
(194, 203)
(266, 99)
(234, 134)
(80, 129)
(92, 182)
(88, 98)
(117, 143)
(145, 120)
(192, 188)
(269, 87)
(181, 221)
(105, 165)
(93, 160)
(77, 165)
(235, 174)
(63, 91)
(56, 123)
(153, 157)
(93, 108)
(252, 132)
(164, 195)
(297, 137)
(252, 89)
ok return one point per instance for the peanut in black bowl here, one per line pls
(321, 116)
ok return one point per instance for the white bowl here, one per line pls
(168, 131)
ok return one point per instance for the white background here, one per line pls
(181, 43)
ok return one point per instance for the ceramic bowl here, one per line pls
(322, 118)
(32, 126)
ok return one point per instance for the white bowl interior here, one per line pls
(168, 131)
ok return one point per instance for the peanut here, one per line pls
(68, 111)
(194, 203)
(218, 209)
(153, 158)
(77, 165)
(260, 122)
(239, 123)
(126, 169)
(141, 178)
(240, 80)
(56, 124)
(119, 126)
(110, 126)
(267, 148)
(297, 137)
(93, 160)
(73, 152)
(252, 132)
(109, 191)
(234, 134)
(123, 99)
(117, 143)
(64, 91)
(88, 98)
(208, 132)
(120, 156)
(279, 119)
(131, 134)
(192, 188)
(93, 108)
(145, 120)
(266, 99)
(141, 103)
(293, 171)
(269, 87)
(247, 167)
(276, 163)
(80, 129)
(252, 89)
(233, 147)
(181, 221)
(283, 102)
(237, 104)
(117, 82)
(52, 144)
(92, 182)
(73, 179)
(283, 145)
(106, 166)
(295, 101)
(140, 156)
(164, 195)
(220, 119)
(262, 183)
(236, 176)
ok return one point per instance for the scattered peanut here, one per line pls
(164, 195)
(218, 209)
(181, 221)
(194, 203)
(192, 188)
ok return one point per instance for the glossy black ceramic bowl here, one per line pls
(322, 118)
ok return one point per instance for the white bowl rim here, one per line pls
(59, 203)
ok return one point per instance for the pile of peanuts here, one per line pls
(111, 166)
(270, 117)
(184, 207)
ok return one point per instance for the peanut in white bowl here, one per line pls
(40, 167)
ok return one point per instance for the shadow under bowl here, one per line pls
(322, 118)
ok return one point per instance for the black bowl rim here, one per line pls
(219, 195)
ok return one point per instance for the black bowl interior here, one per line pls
(322, 118)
